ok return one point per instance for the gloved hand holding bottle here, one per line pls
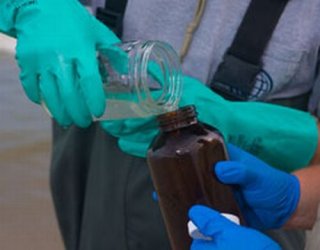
(222, 234)
(267, 197)
(56, 49)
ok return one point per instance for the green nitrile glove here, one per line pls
(57, 42)
(135, 135)
(283, 137)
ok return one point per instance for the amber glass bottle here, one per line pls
(181, 161)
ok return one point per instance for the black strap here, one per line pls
(112, 15)
(235, 76)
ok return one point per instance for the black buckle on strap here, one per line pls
(234, 77)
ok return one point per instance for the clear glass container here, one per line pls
(149, 83)
(142, 79)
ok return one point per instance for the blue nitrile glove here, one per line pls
(283, 137)
(224, 234)
(267, 196)
(56, 49)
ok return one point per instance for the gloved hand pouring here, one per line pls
(57, 66)
(68, 81)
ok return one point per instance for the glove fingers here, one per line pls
(147, 125)
(105, 42)
(105, 37)
(131, 127)
(236, 154)
(117, 58)
(133, 147)
(72, 96)
(114, 127)
(30, 85)
(232, 172)
(91, 84)
(209, 222)
(52, 100)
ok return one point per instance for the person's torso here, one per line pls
(290, 59)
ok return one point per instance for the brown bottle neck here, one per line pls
(180, 118)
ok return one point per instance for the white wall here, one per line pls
(7, 43)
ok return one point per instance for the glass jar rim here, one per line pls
(164, 58)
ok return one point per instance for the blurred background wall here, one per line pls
(27, 219)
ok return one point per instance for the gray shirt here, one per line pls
(290, 61)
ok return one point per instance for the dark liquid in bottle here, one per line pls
(181, 161)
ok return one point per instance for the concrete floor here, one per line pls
(27, 219)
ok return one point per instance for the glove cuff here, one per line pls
(293, 198)
(296, 193)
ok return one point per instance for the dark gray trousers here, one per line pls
(103, 197)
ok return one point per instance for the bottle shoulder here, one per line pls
(185, 140)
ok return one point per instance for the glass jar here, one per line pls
(141, 79)
(148, 83)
